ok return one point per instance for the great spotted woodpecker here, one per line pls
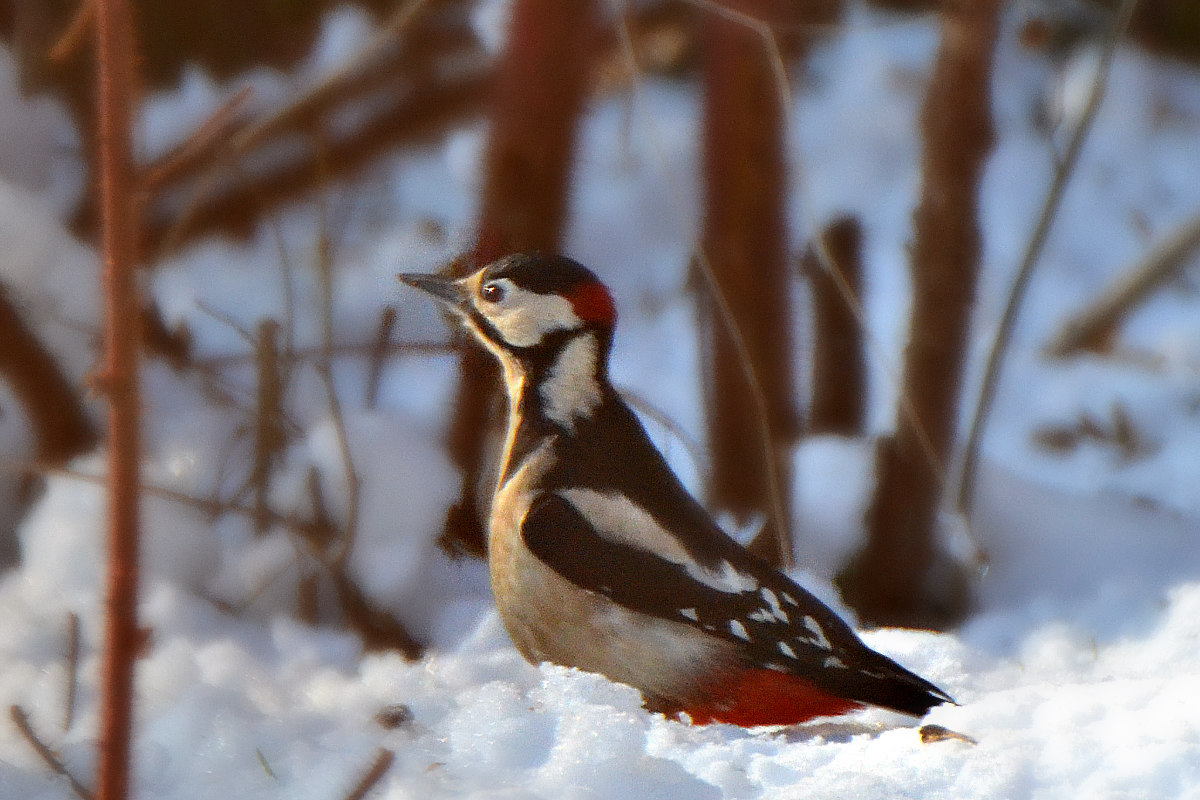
(601, 560)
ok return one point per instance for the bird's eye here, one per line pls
(492, 292)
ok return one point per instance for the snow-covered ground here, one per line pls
(1078, 675)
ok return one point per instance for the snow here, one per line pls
(1077, 675)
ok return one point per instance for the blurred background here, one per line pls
(811, 215)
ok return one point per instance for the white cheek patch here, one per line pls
(570, 389)
(524, 318)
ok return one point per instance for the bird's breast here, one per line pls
(549, 618)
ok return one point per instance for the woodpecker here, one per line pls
(600, 559)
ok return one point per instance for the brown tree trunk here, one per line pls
(745, 245)
(839, 377)
(898, 578)
(541, 85)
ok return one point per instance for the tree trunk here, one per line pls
(901, 577)
(833, 267)
(541, 85)
(745, 245)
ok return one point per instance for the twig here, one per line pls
(74, 36)
(208, 137)
(379, 767)
(839, 382)
(72, 678)
(377, 628)
(379, 78)
(694, 449)
(1062, 176)
(307, 530)
(115, 54)
(269, 433)
(370, 58)
(379, 353)
(1088, 329)
(221, 316)
(21, 720)
(764, 32)
(325, 370)
(262, 761)
(438, 78)
(308, 353)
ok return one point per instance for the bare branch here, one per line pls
(72, 679)
(1033, 252)
(379, 767)
(379, 353)
(325, 370)
(21, 720)
(1090, 328)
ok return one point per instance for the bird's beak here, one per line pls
(448, 290)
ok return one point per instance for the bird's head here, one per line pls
(523, 303)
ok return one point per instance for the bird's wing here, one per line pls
(774, 622)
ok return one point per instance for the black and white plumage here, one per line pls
(601, 560)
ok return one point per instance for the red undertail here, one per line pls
(768, 697)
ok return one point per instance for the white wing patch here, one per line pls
(618, 519)
(787, 650)
(727, 579)
(776, 610)
(738, 630)
(818, 634)
(689, 613)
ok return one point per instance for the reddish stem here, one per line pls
(115, 57)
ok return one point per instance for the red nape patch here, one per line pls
(768, 697)
(593, 304)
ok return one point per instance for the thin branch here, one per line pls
(307, 530)
(74, 37)
(379, 767)
(270, 435)
(1037, 242)
(378, 629)
(376, 84)
(838, 396)
(1091, 327)
(377, 52)
(907, 408)
(366, 350)
(72, 677)
(205, 307)
(766, 33)
(21, 720)
(203, 139)
(378, 355)
(694, 448)
(325, 370)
